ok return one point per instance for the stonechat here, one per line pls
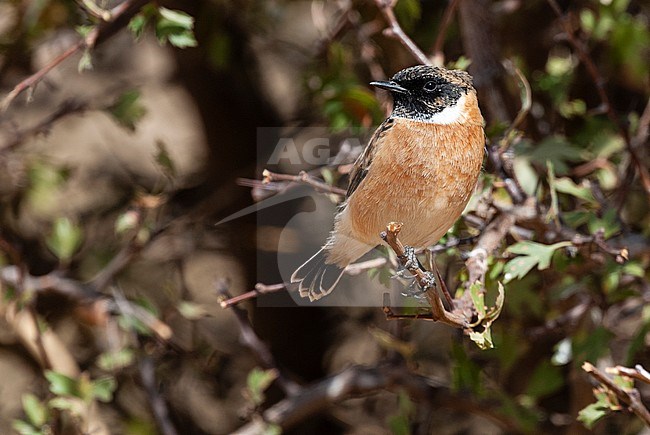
(420, 168)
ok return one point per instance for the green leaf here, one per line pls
(128, 110)
(35, 411)
(191, 310)
(478, 298)
(592, 413)
(177, 18)
(257, 382)
(61, 384)
(85, 62)
(24, 428)
(73, 405)
(103, 388)
(182, 40)
(64, 239)
(137, 25)
(175, 27)
(481, 333)
(582, 191)
(115, 360)
(531, 254)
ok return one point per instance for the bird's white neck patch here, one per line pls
(449, 115)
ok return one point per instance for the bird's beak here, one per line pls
(390, 86)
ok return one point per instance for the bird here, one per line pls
(420, 168)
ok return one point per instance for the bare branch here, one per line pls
(303, 178)
(253, 342)
(438, 54)
(424, 281)
(395, 30)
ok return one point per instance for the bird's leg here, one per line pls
(412, 262)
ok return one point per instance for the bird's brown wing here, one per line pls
(362, 165)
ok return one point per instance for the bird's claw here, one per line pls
(429, 281)
(411, 259)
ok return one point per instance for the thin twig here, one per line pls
(260, 289)
(630, 397)
(158, 405)
(120, 16)
(437, 308)
(250, 339)
(438, 54)
(395, 30)
(303, 178)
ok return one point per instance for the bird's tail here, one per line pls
(317, 278)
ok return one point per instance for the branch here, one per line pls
(395, 30)
(119, 18)
(438, 54)
(303, 178)
(630, 397)
(359, 381)
(250, 339)
(424, 280)
(158, 405)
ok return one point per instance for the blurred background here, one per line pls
(137, 130)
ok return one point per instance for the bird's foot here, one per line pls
(429, 281)
(412, 262)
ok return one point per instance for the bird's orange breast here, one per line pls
(423, 175)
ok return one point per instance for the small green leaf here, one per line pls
(481, 333)
(115, 360)
(24, 428)
(182, 40)
(592, 413)
(128, 110)
(137, 25)
(103, 388)
(85, 62)
(531, 254)
(35, 411)
(257, 382)
(191, 310)
(177, 18)
(73, 405)
(64, 239)
(478, 298)
(566, 185)
(175, 27)
(61, 384)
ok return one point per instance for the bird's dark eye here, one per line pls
(430, 86)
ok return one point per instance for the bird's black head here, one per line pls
(423, 92)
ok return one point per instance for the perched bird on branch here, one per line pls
(420, 168)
